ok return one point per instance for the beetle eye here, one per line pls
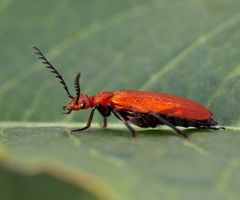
(83, 104)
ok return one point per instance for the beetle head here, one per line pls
(82, 102)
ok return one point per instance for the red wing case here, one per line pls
(145, 102)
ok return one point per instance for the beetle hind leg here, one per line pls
(209, 124)
(165, 122)
(213, 127)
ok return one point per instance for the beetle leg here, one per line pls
(218, 128)
(105, 112)
(213, 127)
(164, 121)
(104, 122)
(117, 114)
(88, 123)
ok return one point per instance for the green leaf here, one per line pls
(189, 48)
(156, 164)
(37, 187)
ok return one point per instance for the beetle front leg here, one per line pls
(88, 123)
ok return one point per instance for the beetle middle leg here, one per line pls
(132, 131)
(164, 121)
(88, 123)
(105, 113)
(104, 122)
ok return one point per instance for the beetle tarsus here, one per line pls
(104, 122)
(88, 123)
(132, 131)
(213, 127)
(218, 128)
(79, 130)
(221, 128)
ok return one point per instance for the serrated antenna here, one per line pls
(52, 69)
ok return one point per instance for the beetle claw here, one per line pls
(68, 112)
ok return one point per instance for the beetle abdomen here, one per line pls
(146, 120)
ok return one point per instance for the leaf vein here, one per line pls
(193, 46)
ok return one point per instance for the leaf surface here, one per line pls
(188, 48)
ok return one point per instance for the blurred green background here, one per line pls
(189, 48)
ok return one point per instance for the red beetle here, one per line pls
(144, 109)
